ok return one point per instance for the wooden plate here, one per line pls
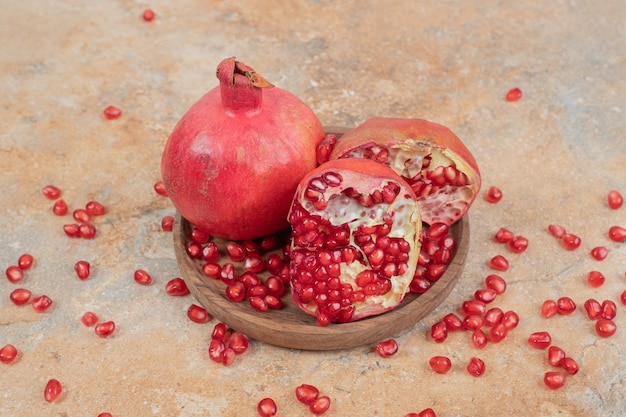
(292, 328)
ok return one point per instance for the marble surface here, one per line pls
(555, 154)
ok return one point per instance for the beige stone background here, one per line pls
(555, 154)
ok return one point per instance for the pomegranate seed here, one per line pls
(320, 405)
(617, 234)
(554, 380)
(493, 316)
(439, 332)
(485, 295)
(499, 263)
(570, 366)
(51, 192)
(605, 327)
(41, 303)
(514, 94)
(565, 305)
(14, 274)
(498, 333)
(510, 320)
(473, 307)
(159, 187)
(427, 412)
(570, 241)
(595, 279)
(307, 394)
(479, 338)
(93, 208)
(267, 407)
(593, 309)
(599, 253)
(142, 277)
(25, 261)
(83, 269)
(238, 342)
(105, 329)
(556, 231)
(496, 283)
(503, 235)
(60, 207)
(476, 367)
(8, 353)
(540, 340)
(259, 304)
(81, 216)
(193, 250)
(167, 223)
(387, 348)
(229, 357)
(452, 322)
(199, 236)
(493, 195)
(615, 199)
(220, 332)
(216, 350)
(622, 297)
(53, 390)
(20, 296)
(555, 355)
(72, 230)
(472, 322)
(87, 231)
(549, 309)
(198, 314)
(105, 415)
(608, 310)
(112, 112)
(440, 364)
(148, 15)
(236, 291)
(176, 287)
(519, 244)
(89, 319)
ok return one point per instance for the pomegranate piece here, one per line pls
(540, 340)
(554, 379)
(25, 261)
(14, 274)
(176, 287)
(8, 353)
(387, 348)
(617, 234)
(499, 263)
(307, 394)
(440, 364)
(20, 296)
(354, 223)
(549, 308)
(89, 318)
(112, 113)
(41, 303)
(555, 355)
(493, 195)
(615, 199)
(320, 405)
(198, 314)
(430, 157)
(476, 367)
(267, 407)
(565, 305)
(105, 329)
(51, 192)
(142, 277)
(60, 207)
(605, 327)
(595, 279)
(570, 241)
(53, 390)
(82, 269)
(514, 94)
(148, 15)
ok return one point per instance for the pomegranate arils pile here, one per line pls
(225, 344)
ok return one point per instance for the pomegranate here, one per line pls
(233, 162)
(430, 157)
(355, 240)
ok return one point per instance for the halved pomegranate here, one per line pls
(430, 157)
(355, 240)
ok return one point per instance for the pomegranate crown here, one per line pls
(229, 68)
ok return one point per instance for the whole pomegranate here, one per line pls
(430, 157)
(233, 161)
(355, 240)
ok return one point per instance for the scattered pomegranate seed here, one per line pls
(485, 295)
(142, 277)
(519, 244)
(220, 332)
(493, 316)
(608, 310)
(617, 234)
(89, 319)
(387, 348)
(622, 297)
(20, 296)
(570, 366)
(105, 329)
(83, 269)
(238, 342)
(198, 314)
(473, 307)
(554, 379)
(514, 94)
(503, 235)
(498, 333)
(510, 320)
(81, 216)
(93, 208)
(440, 364)
(615, 199)
(540, 340)
(496, 283)
(555, 355)
(72, 230)
(439, 332)
(595, 279)
(176, 287)
(51, 192)
(25, 261)
(14, 274)
(87, 231)
(60, 207)
(148, 15)
(267, 407)
(452, 322)
(493, 195)
(167, 223)
(565, 305)
(307, 394)
(320, 405)
(8, 353)
(427, 412)
(556, 231)
(216, 350)
(112, 112)
(41, 303)
(159, 187)
(599, 253)
(476, 366)
(549, 309)
(105, 415)
(53, 390)
(479, 338)
(499, 263)
(228, 357)
(605, 327)
(472, 322)
(593, 309)
(570, 241)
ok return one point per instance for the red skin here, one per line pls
(243, 191)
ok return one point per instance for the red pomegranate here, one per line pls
(355, 240)
(430, 157)
(232, 163)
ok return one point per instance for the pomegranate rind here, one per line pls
(233, 173)
(408, 141)
(363, 176)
